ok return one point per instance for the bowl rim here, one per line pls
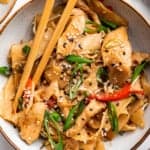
(147, 133)
(8, 11)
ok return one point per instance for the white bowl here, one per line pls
(20, 29)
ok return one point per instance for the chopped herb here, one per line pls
(99, 27)
(20, 104)
(75, 86)
(74, 112)
(113, 116)
(78, 59)
(109, 23)
(102, 74)
(5, 71)
(74, 89)
(138, 70)
(55, 116)
(88, 30)
(26, 49)
(51, 116)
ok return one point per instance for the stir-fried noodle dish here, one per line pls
(80, 87)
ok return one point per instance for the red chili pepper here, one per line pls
(29, 83)
(118, 95)
(52, 102)
(109, 7)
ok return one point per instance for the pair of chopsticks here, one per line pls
(36, 44)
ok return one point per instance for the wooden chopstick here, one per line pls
(34, 50)
(57, 33)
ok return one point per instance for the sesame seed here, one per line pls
(82, 119)
(91, 109)
(124, 53)
(70, 39)
(64, 45)
(80, 46)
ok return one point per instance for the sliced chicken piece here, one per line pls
(89, 43)
(6, 99)
(91, 110)
(74, 29)
(106, 13)
(30, 124)
(138, 57)
(116, 52)
(82, 5)
(90, 84)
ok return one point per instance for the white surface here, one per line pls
(144, 7)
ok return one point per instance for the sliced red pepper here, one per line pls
(52, 102)
(29, 83)
(118, 95)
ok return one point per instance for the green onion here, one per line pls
(20, 104)
(26, 49)
(5, 71)
(102, 74)
(99, 27)
(77, 59)
(88, 30)
(138, 70)
(113, 116)
(75, 86)
(74, 112)
(109, 23)
(54, 117)
(74, 89)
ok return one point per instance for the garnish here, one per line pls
(113, 116)
(109, 24)
(26, 49)
(97, 27)
(75, 111)
(78, 59)
(117, 95)
(55, 118)
(5, 71)
(102, 74)
(138, 70)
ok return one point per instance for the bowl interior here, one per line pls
(20, 29)
(5, 9)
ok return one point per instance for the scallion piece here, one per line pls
(109, 23)
(74, 112)
(138, 70)
(26, 49)
(53, 116)
(102, 74)
(78, 59)
(99, 27)
(113, 116)
(5, 71)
